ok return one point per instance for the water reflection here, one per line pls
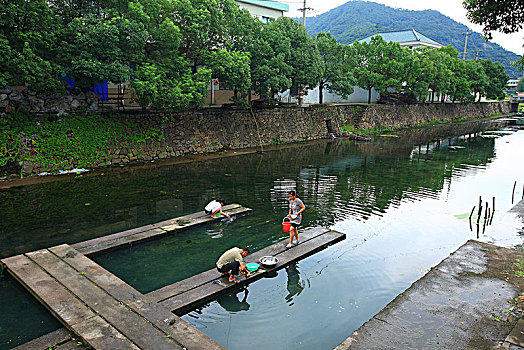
(363, 189)
(232, 303)
(294, 285)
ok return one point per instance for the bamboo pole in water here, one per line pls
(480, 210)
(493, 212)
(470, 215)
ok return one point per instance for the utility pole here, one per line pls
(477, 58)
(304, 9)
(304, 14)
(468, 32)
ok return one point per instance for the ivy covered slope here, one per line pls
(68, 142)
(358, 19)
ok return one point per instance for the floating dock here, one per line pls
(152, 231)
(106, 313)
(98, 307)
(185, 295)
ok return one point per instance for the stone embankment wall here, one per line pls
(214, 130)
(11, 99)
(394, 117)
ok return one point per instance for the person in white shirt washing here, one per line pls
(215, 207)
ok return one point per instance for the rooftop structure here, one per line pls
(406, 38)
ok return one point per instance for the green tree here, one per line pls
(478, 79)
(163, 77)
(420, 72)
(441, 76)
(520, 86)
(504, 16)
(497, 79)
(233, 69)
(364, 56)
(303, 56)
(28, 45)
(269, 70)
(391, 63)
(378, 65)
(336, 73)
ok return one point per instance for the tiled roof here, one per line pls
(402, 36)
(275, 5)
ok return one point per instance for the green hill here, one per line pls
(359, 19)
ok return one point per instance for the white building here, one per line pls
(263, 9)
(512, 84)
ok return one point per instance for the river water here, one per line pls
(403, 203)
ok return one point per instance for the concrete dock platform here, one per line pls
(469, 301)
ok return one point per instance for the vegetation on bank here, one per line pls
(68, 142)
(167, 51)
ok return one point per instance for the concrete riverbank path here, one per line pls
(469, 301)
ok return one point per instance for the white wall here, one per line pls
(260, 11)
(358, 96)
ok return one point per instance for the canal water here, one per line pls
(403, 203)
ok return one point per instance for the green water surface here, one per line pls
(400, 200)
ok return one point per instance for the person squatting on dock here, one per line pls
(296, 207)
(231, 262)
(215, 207)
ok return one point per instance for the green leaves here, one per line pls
(504, 16)
(336, 69)
(167, 51)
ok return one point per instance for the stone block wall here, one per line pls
(398, 116)
(213, 130)
(11, 99)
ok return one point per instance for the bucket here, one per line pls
(286, 226)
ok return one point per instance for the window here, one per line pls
(265, 19)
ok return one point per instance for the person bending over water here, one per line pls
(215, 207)
(232, 261)
(296, 207)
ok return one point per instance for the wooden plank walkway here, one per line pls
(107, 313)
(149, 232)
(99, 307)
(185, 295)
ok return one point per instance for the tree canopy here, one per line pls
(167, 51)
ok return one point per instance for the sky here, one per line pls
(451, 8)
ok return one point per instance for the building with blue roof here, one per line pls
(406, 38)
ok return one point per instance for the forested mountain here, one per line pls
(359, 19)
